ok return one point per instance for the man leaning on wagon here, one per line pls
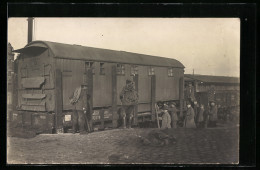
(129, 98)
(79, 102)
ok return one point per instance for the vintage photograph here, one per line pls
(123, 90)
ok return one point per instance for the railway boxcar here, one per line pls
(48, 72)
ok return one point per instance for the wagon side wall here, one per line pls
(74, 73)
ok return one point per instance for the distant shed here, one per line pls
(224, 90)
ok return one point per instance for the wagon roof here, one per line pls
(212, 79)
(79, 52)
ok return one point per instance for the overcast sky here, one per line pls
(210, 46)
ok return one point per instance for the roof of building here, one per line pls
(79, 52)
(212, 79)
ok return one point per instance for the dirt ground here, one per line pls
(119, 146)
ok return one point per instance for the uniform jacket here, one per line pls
(166, 120)
(213, 113)
(77, 99)
(173, 113)
(129, 95)
(189, 119)
(196, 110)
(200, 116)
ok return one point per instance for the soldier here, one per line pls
(196, 110)
(173, 112)
(129, 98)
(78, 99)
(213, 114)
(200, 117)
(206, 116)
(166, 118)
(189, 117)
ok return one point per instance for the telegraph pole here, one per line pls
(30, 29)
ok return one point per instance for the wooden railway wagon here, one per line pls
(48, 72)
(225, 91)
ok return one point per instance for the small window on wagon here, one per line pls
(170, 72)
(151, 71)
(134, 70)
(89, 65)
(120, 69)
(102, 69)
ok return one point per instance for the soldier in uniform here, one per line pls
(78, 100)
(213, 114)
(166, 118)
(200, 116)
(196, 110)
(189, 117)
(173, 112)
(129, 98)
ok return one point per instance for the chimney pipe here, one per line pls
(30, 29)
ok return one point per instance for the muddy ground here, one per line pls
(212, 145)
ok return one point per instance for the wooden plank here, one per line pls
(34, 96)
(58, 101)
(34, 82)
(153, 96)
(33, 108)
(136, 107)
(91, 96)
(114, 97)
(34, 103)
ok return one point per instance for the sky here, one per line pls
(209, 46)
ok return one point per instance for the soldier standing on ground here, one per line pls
(196, 110)
(79, 106)
(206, 116)
(129, 98)
(213, 114)
(166, 118)
(200, 116)
(189, 117)
(173, 112)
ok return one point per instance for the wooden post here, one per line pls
(153, 93)
(114, 97)
(90, 92)
(102, 119)
(58, 101)
(181, 95)
(135, 121)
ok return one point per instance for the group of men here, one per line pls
(81, 117)
(195, 116)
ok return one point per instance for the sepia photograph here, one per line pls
(93, 90)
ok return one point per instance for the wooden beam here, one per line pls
(181, 95)
(114, 97)
(153, 97)
(102, 126)
(58, 101)
(135, 122)
(90, 92)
